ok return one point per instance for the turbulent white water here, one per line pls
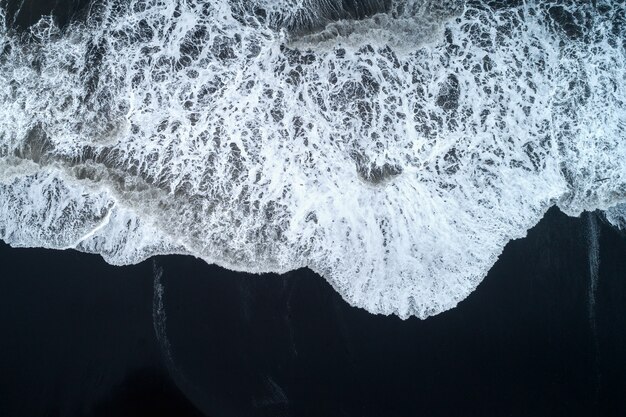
(395, 155)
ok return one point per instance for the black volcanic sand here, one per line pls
(77, 336)
(78, 339)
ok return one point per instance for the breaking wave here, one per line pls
(394, 147)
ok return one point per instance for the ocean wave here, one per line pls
(392, 147)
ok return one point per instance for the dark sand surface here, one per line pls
(79, 339)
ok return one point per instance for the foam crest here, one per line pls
(393, 157)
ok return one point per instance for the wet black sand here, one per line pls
(78, 339)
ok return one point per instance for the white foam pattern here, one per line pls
(394, 149)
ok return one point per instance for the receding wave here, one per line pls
(394, 147)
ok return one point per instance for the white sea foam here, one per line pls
(395, 155)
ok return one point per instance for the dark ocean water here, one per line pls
(543, 335)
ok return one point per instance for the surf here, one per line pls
(393, 148)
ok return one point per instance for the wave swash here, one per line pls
(393, 147)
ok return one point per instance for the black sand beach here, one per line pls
(79, 339)
(543, 335)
